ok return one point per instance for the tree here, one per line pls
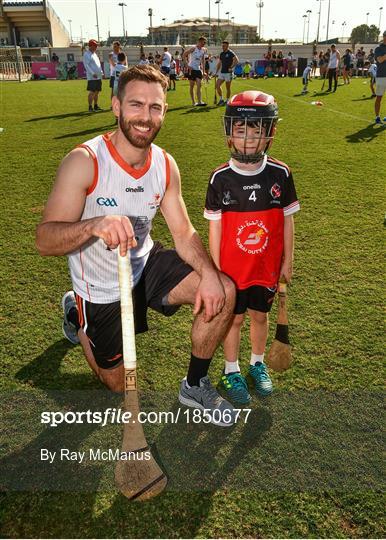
(364, 34)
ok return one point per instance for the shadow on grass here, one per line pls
(194, 458)
(66, 115)
(364, 98)
(198, 458)
(366, 134)
(97, 129)
(194, 110)
(44, 371)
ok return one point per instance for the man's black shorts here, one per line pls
(111, 83)
(257, 298)
(95, 85)
(165, 70)
(195, 74)
(164, 269)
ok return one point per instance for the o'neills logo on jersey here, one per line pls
(138, 189)
(252, 237)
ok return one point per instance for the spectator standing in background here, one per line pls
(94, 75)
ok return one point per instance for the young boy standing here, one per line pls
(250, 203)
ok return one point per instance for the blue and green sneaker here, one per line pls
(261, 379)
(234, 387)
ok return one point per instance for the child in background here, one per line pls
(306, 77)
(118, 69)
(250, 204)
(372, 71)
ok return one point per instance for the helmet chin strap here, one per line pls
(247, 158)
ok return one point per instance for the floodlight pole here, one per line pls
(328, 19)
(308, 25)
(260, 5)
(210, 31)
(97, 20)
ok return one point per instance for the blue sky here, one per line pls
(280, 18)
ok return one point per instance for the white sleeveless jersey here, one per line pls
(196, 58)
(333, 63)
(117, 189)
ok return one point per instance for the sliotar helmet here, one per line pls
(250, 109)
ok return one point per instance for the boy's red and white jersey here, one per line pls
(251, 206)
(117, 189)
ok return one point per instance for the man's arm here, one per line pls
(61, 230)
(189, 247)
(186, 54)
(288, 254)
(235, 61)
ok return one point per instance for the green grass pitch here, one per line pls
(308, 464)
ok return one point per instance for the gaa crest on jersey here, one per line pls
(155, 202)
(252, 237)
(275, 191)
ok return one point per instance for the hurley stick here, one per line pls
(137, 479)
(279, 356)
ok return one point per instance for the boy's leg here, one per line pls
(232, 384)
(232, 343)
(259, 333)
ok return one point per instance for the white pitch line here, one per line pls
(324, 107)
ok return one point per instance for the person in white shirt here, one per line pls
(94, 75)
(333, 66)
(143, 60)
(113, 60)
(196, 68)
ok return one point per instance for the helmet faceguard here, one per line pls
(254, 110)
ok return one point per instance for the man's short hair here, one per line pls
(146, 73)
(202, 38)
(117, 43)
(384, 33)
(333, 45)
(121, 57)
(225, 41)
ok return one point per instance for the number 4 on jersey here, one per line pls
(252, 196)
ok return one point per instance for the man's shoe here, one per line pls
(206, 398)
(261, 379)
(378, 120)
(221, 102)
(234, 387)
(69, 329)
(90, 109)
(97, 108)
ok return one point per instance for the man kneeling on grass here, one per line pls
(105, 196)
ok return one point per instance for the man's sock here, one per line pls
(198, 368)
(256, 358)
(231, 367)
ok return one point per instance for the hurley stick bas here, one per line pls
(137, 479)
(279, 356)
